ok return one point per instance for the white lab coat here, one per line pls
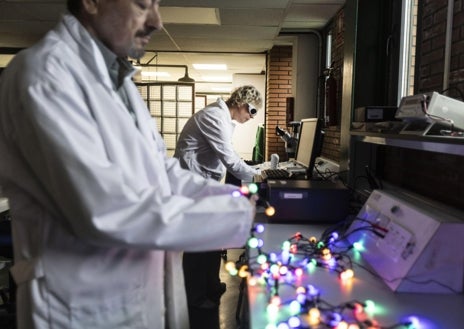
(99, 214)
(205, 145)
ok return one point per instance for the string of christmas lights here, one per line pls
(300, 255)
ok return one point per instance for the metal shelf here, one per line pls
(440, 144)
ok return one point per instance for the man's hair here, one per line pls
(245, 94)
(74, 6)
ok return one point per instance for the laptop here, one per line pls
(308, 149)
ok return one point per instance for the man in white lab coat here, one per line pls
(100, 215)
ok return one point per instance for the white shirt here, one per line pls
(205, 144)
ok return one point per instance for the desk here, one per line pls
(433, 311)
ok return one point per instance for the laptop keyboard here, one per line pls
(278, 173)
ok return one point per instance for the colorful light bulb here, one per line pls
(358, 246)
(272, 309)
(314, 316)
(370, 306)
(358, 308)
(414, 322)
(243, 272)
(274, 269)
(252, 281)
(286, 245)
(294, 322)
(244, 190)
(253, 188)
(273, 257)
(259, 228)
(295, 307)
(230, 265)
(236, 194)
(301, 298)
(283, 270)
(275, 300)
(293, 248)
(270, 211)
(326, 254)
(342, 325)
(253, 242)
(261, 259)
(346, 275)
(353, 326)
(285, 256)
(301, 290)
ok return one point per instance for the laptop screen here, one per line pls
(309, 143)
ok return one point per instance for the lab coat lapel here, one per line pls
(87, 48)
(141, 113)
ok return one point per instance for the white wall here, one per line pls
(245, 134)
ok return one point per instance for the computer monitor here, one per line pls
(309, 144)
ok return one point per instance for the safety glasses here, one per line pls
(252, 110)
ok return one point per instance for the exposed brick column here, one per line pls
(279, 87)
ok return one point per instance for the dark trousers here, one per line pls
(201, 273)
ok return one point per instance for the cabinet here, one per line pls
(171, 104)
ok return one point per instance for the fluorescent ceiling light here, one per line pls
(215, 67)
(190, 15)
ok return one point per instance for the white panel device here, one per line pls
(423, 111)
(413, 244)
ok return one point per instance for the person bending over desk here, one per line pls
(205, 147)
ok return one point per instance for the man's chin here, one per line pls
(136, 53)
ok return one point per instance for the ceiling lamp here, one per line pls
(186, 77)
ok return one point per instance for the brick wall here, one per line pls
(432, 45)
(435, 175)
(431, 48)
(456, 77)
(279, 88)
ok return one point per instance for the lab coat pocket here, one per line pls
(123, 312)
